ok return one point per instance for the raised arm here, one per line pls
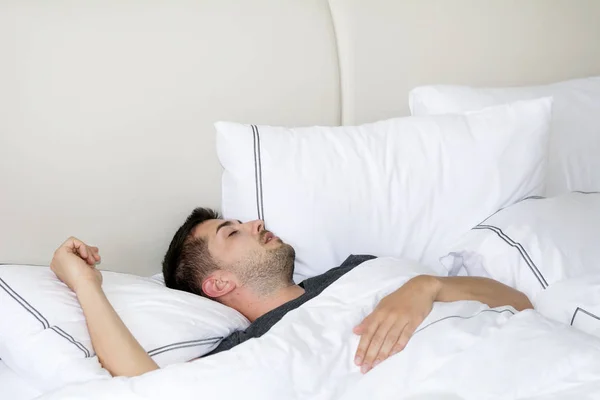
(388, 328)
(117, 350)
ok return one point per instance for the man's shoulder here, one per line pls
(320, 282)
(355, 260)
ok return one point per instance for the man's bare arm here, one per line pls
(117, 349)
(484, 290)
(388, 328)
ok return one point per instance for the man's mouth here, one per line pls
(268, 237)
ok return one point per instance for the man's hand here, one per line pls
(389, 327)
(74, 264)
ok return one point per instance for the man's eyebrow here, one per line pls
(226, 223)
(223, 225)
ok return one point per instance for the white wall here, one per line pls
(106, 106)
(106, 112)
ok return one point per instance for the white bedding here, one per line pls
(13, 387)
(463, 350)
(534, 245)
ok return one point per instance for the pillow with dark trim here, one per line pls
(44, 337)
(403, 187)
(533, 244)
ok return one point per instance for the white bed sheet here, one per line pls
(463, 350)
(13, 387)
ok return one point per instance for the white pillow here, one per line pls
(160, 278)
(575, 128)
(405, 187)
(533, 244)
(44, 337)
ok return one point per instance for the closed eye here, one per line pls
(232, 233)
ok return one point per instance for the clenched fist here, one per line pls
(74, 264)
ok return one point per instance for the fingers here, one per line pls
(390, 341)
(96, 254)
(77, 246)
(89, 254)
(376, 341)
(360, 328)
(404, 338)
(366, 329)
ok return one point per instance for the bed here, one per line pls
(106, 130)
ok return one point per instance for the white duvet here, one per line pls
(463, 350)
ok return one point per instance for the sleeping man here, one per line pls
(248, 268)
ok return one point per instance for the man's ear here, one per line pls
(218, 284)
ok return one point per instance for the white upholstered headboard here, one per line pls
(106, 107)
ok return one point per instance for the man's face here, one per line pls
(256, 256)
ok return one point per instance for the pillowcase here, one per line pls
(405, 187)
(44, 336)
(575, 127)
(533, 244)
(160, 278)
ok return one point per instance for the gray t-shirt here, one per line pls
(312, 288)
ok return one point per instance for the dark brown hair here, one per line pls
(187, 261)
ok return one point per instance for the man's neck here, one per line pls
(261, 306)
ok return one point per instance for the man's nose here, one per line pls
(257, 226)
